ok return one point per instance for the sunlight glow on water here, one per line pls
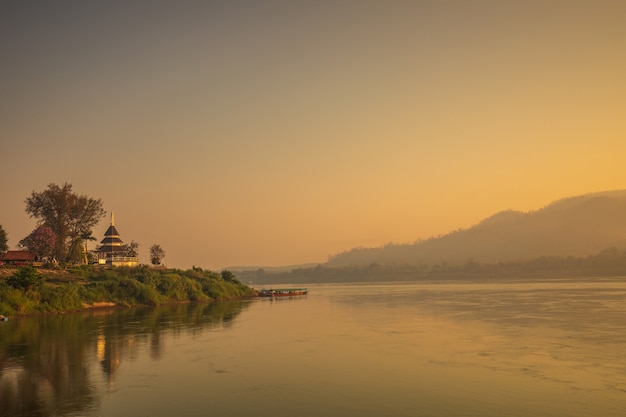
(411, 349)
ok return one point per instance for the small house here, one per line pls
(17, 258)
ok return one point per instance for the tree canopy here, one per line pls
(69, 215)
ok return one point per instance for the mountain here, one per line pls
(574, 226)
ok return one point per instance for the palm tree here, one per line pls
(84, 237)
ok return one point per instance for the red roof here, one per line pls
(17, 255)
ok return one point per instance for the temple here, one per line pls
(112, 250)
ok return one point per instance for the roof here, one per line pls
(116, 241)
(111, 237)
(111, 231)
(17, 255)
(110, 249)
(111, 242)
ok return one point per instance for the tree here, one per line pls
(156, 254)
(131, 249)
(228, 276)
(40, 242)
(3, 240)
(68, 214)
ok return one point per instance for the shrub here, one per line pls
(26, 278)
(26, 291)
(16, 301)
(62, 298)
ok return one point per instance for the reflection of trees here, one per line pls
(46, 373)
(45, 361)
(120, 334)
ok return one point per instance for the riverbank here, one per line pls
(27, 290)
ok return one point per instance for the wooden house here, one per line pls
(17, 258)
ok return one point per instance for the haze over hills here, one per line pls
(574, 226)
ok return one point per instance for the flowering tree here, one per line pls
(40, 242)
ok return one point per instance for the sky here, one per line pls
(274, 133)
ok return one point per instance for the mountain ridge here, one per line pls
(571, 226)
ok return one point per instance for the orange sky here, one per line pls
(279, 132)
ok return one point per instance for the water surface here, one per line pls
(535, 348)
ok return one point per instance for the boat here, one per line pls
(281, 292)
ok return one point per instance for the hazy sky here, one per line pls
(281, 132)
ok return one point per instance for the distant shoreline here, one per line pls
(593, 267)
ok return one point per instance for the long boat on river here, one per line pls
(282, 292)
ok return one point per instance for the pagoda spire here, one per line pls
(112, 218)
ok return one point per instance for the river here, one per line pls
(480, 348)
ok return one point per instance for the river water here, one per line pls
(480, 348)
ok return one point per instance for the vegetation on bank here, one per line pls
(610, 262)
(29, 290)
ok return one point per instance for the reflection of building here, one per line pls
(109, 356)
(113, 251)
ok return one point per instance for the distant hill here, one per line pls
(574, 226)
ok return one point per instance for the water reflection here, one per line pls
(565, 335)
(475, 349)
(45, 361)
